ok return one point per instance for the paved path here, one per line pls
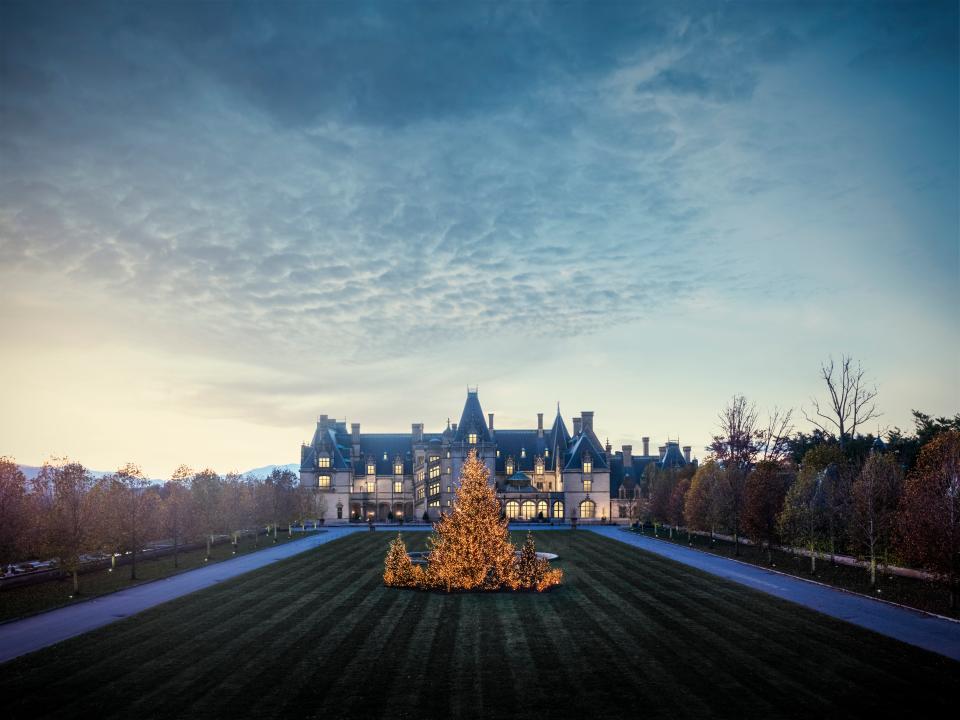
(23, 636)
(916, 628)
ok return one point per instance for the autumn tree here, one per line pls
(471, 548)
(661, 483)
(764, 493)
(850, 400)
(14, 513)
(929, 517)
(802, 520)
(279, 485)
(65, 513)
(233, 498)
(876, 495)
(175, 508)
(703, 507)
(678, 498)
(205, 489)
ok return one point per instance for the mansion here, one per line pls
(544, 473)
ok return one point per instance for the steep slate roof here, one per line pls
(391, 444)
(511, 442)
(672, 457)
(472, 419)
(325, 441)
(559, 437)
(582, 444)
(629, 477)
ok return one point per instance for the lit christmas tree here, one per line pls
(471, 548)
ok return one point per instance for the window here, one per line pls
(435, 471)
(420, 493)
(623, 511)
(435, 489)
(434, 503)
(323, 481)
(587, 465)
(339, 512)
(448, 488)
(538, 468)
(542, 509)
(523, 452)
(472, 438)
(528, 509)
(434, 458)
(448, 470)
(398, 486)
(550, 487)
(370, 486)
(558, 509)
(587, 484)
(420, 476)
(510, 466)
(398, 468)
(588, 509)
(546, 453)
(448, 454)
(513, 509)
(539, 486)
(371, 469)
(498, 453)
(384, 454)
(323, 461)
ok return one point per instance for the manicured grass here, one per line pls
(921, 594)
(19, 601)
(629, 634)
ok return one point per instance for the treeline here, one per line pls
(65, 513)
(893, 503)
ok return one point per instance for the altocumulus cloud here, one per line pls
(385, 176)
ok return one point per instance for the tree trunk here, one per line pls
(176, 550)
(76, 580)
(133, 563)
(813, 559)
(209, 539)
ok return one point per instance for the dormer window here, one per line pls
(538, 468)
(323, 461)
(371, 469)
(398, 468)
(472, 438)
(523, 452)
(509, 466)
(587, 465)
(546, 453)
(384, 454)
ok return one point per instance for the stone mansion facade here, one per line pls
(547, 473)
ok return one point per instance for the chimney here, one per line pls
(322, 423)
(576, 426)
(454, 427)
(355, 432)
(539, 424)
(686, 453)
(608, 447)
(627, 456)
(587, 416)
(646, 446)
(416, 429)
(490, 420)
(663, 451)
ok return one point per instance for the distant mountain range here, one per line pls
(31, 471)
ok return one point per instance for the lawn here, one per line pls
(28, 599)
(628, 635)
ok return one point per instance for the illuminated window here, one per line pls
(371, 469)
(448, 470)
(398, 486)
(323, 461)
(587, 484)
(370, 486)
(513, 509)
(528, 509)
(434, 458)
(420, 493)
(587, 466)
(546, 453)
(542, 509)
(448, 488)
(523, 452)
(435, 471)
(434, 503)
(435, 489)
(398, 469)
(384, 454)
(472, 438)
(588, 509)
(498, 453)
(538, 469)
(510, 466)
(448, 454)
(323, 481)
(558, 509)
(419, 475)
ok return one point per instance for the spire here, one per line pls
(472, 420)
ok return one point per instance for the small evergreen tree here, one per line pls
(398, 571)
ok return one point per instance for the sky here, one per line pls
(218, 221)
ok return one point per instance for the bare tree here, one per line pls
(850, 404)
(14, 515)
(775, 438)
